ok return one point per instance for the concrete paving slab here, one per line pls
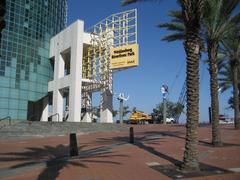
(108, 155)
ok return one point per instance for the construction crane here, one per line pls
(182, 100)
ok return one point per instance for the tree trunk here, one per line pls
(213, 70)
(192, 12)
(190, 160)
(235, 97)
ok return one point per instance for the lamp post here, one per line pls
(164, 90)
(121, 98)
(121, 110)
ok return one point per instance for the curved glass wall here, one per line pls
(24, 52)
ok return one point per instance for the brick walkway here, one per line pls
(109, 156)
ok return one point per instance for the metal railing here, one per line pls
(7, 118)
(57, 114)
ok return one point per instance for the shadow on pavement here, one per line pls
(52, 160)
(149, 138)
(181, 135)
(172, 170)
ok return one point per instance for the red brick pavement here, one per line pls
(108, 156)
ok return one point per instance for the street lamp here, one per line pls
(121, 98)
(164, 91)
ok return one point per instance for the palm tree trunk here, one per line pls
(235, 97)
(192, 12)
(190, 160)
(213, 70)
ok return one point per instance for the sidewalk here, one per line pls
(109, 156)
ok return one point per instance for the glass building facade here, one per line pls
(25, 68)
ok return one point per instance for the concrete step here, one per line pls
(27, 129)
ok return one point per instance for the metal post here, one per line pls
(164, 111)
(131, 135)
(121, 111)
(73, 149)
(239, 92)
(210, 115)
(164, 90)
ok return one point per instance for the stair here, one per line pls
(20, 129)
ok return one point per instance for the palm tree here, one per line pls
(230, 73)
(218, 21)
(192, 11)
(225, 82)
(115, 112)
(176, 25)
(225, 78)
(125, 110)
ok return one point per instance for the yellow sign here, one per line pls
(124, 56)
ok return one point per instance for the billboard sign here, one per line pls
(124, 56)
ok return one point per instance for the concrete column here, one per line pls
(44, 116)
(59, 65)
(57, 105)
(107, 107)
(75, 89)
(57, 95)
(88, 103)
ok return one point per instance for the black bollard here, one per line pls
(131, 135)
(210, 115)
(73, 149)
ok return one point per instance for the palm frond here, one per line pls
(174, 37)
(173, 26)
(192, 12)
(228, 7)
(177, 16)
(127, 2)
(225, 77)
(230, 46)
(176, 24)
(219, 18)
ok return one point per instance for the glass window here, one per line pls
(13, 103)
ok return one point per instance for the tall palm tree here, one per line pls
(218, 21)
(231, 50)
(192, 11)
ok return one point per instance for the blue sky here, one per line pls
(160, 62)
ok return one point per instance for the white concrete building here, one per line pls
(66, 55)
(81, 66)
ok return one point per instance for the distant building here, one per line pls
(25, 68)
